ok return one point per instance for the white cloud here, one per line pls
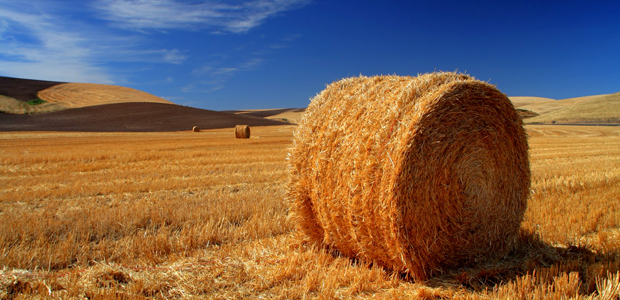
(231, 16)
(40, 42)
(173, 56)
(251, 64)
(203, 70)
(223, 71)
(216, 76)
(56, 71)
(36, 45)
(4, 27)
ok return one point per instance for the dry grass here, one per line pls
(13, 106)
(74, 95)
(176, 216)
(590, 109)
(538, 105)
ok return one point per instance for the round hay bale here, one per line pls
(196, 129)
(418, 174)
(242, 131)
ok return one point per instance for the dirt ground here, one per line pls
(129, 117)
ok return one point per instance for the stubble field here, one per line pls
(204, 215)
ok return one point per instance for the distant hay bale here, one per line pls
(196, 129)
(242, 131)
(418, 174)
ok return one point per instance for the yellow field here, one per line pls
(203, 215)
(589, 109)
(72, 95)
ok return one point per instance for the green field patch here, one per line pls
(36, 101)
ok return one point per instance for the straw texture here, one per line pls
(242, 131)
(418, 174)
(196, 129)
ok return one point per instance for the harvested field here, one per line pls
(602, 109)
(15, 92)
(537, 105)
(74, 95)
(10, 105)
(593, 109)
(179, 215)
(128, 117)
(291, 115)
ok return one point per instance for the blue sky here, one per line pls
(279, 53)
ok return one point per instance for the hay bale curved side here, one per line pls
(242, 131)
(435, 174)
(196, 129)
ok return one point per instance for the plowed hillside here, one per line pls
(74, 95)
(15, 92)
(129, 117)
(23, 89)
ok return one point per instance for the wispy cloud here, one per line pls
(41, 42)
(173, 56)
(218, 16)
(251, 64)
(35, 45)
(50, 40)
(214, 75)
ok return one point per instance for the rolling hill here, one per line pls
(23, 89)
(537, 105)
(291, 115)
(73, 95)
(129, 117)
(56, 96)
(603, 109)
(100, 108)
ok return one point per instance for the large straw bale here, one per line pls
(196, 129)
(242, 131)
(418, 174)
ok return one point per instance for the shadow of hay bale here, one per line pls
(533, 257)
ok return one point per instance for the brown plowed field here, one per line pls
(129, 117)
(23, 89)
(73, 95)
